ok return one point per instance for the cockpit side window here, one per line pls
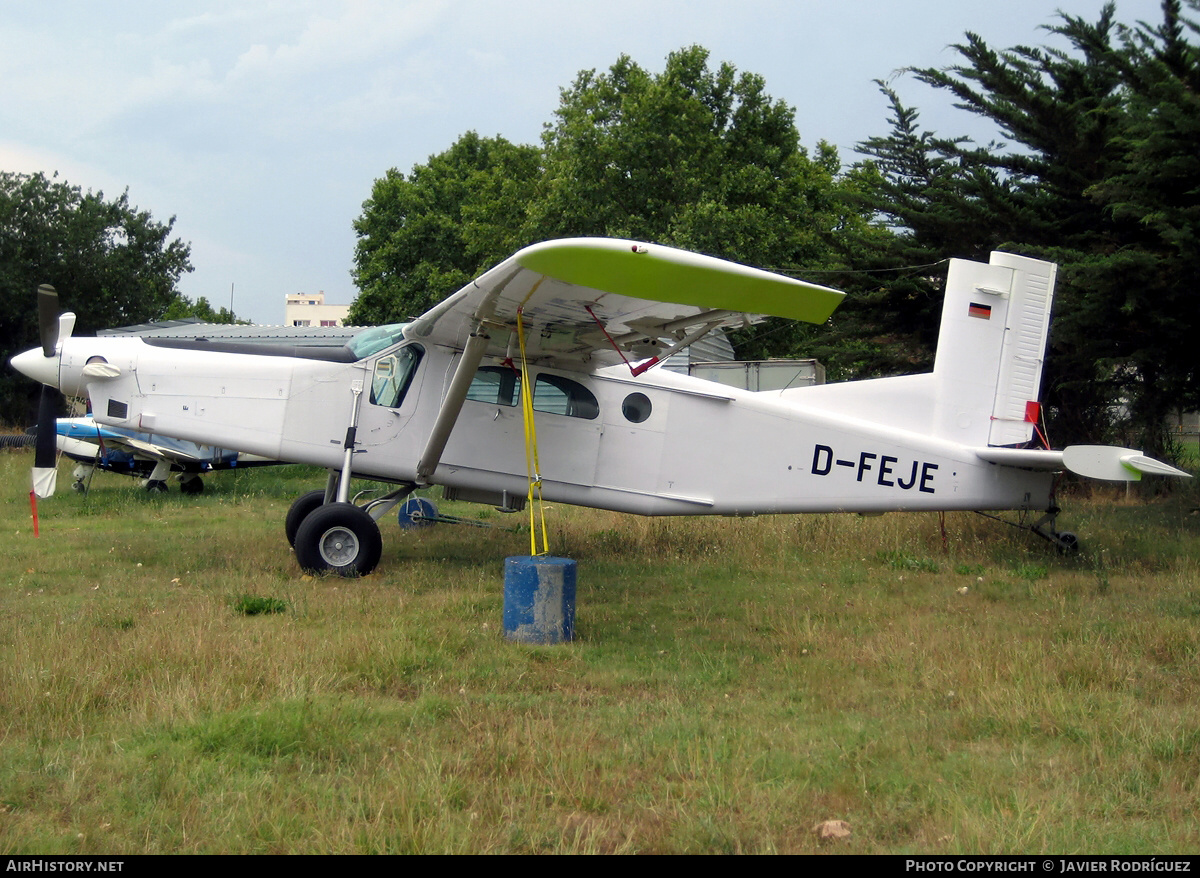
(393, 374)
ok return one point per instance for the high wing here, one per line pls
(587, 301)
(580, 298)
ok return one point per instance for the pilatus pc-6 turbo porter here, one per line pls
(539, 375)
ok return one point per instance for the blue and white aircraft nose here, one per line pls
(36, 365)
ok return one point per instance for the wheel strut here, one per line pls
(1064, 541)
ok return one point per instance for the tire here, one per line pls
(300, 509)
(194, 485)
(339, 538)
(1067, 543)
(156, 486)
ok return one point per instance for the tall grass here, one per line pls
(733, 682)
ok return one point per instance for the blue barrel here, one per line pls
(539, 599)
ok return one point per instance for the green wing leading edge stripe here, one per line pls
(660, 275)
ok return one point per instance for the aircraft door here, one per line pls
(490, 433)
(392, 396)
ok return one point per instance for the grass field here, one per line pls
(171, 682)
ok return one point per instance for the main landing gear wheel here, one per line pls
(339, 538)
(194, 485)
(301, 507)
(156, 486)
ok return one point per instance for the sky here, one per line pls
(261, 126)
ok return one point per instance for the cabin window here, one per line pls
(501, 385)
(636, 407)
(562, 396)
(497, 385)
(392, 376)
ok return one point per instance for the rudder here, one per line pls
(991, 346)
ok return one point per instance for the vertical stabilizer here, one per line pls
(991, 345)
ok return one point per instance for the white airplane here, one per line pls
(436, 401)
(151, 458)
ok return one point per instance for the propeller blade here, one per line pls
(45, 448)
(48, 318)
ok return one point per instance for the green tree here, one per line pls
(423, 236)
(888, 324)
(698, 158)
(1084, 126)
(111, 263)
(692, 157)
(1153, 193)
(201, 309)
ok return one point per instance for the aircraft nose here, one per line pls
(36, 365)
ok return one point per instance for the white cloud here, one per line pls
(262, 124)
(22, 158)
(361, 34)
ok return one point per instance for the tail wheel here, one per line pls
(1066, 543)
(339, 538)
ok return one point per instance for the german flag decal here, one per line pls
(977, 310)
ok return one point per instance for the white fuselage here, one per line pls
(696, 448)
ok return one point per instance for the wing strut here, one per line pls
(713, 320)
(693, 336)
(456, 394)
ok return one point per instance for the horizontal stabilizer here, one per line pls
(1091, 461)
(1114, 464)
(1149, 465)
(1025, 458)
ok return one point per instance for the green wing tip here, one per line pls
(664, 274)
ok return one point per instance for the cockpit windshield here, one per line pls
(373, 340)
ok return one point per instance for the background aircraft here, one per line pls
(536, 381)
(142, 455)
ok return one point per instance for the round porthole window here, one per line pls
(636, 407)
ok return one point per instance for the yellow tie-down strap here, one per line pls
(537, 513)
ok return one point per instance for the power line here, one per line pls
(805, 272)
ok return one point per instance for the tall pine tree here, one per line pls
(1089, 130)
